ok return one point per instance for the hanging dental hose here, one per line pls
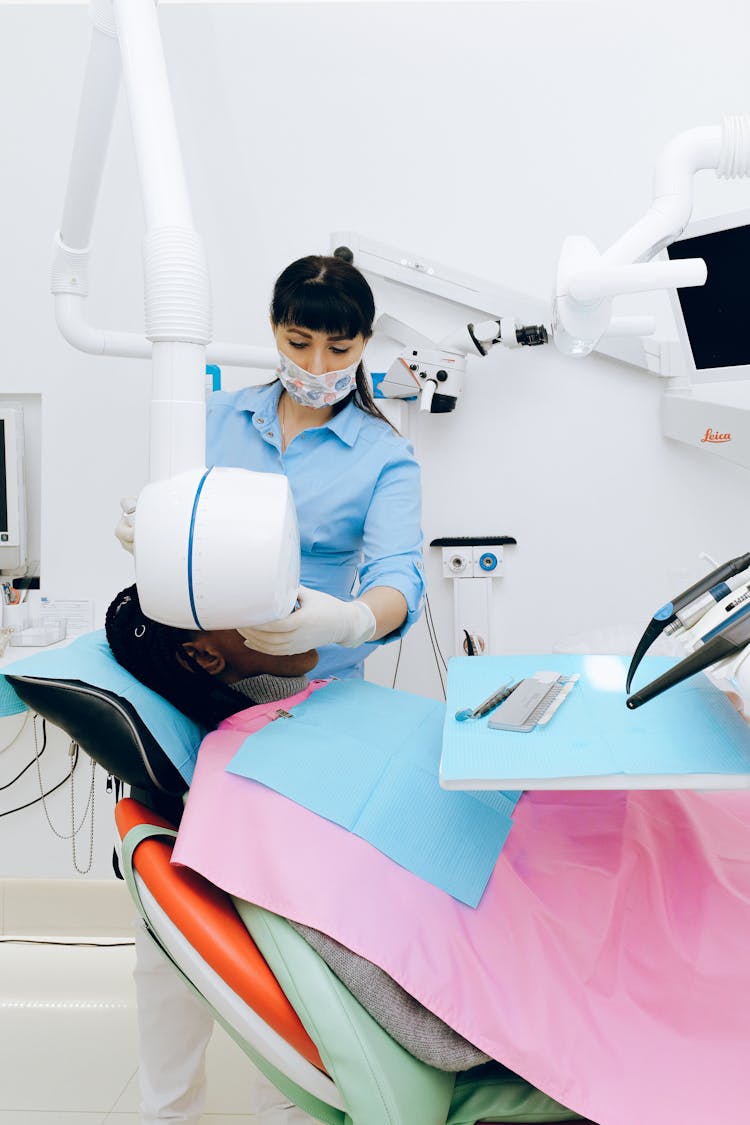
(723, 640)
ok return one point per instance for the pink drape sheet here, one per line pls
(608, 961)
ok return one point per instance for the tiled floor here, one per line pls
(68, 1053)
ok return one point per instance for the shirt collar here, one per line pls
(345, 425)
(258, 398)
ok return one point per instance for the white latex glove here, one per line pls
(125, 530)
(320, 620)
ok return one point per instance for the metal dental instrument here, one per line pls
(669, 612)
(489, 704)
(534, 702)
(726, 640)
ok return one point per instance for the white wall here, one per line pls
(480, 134)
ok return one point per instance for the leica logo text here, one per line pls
(712, 436)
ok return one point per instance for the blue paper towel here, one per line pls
(366, 757)
(692, 730)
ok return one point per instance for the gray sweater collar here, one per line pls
(266, 688)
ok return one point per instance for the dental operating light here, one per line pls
(214, 548)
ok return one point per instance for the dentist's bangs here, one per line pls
(324, 295)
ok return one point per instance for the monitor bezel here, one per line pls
(696, 229)
(12, 416)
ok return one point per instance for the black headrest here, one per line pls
(107, 727)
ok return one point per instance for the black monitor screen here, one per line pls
(3, 482)
(716, 314)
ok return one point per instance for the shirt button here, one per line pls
(261, 421)
(270, 433)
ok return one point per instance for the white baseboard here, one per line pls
(66, 908)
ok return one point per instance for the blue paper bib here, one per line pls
(367, 758)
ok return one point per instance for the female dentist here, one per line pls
(355, 481)
(356, 487)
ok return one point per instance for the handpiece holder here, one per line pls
(721, 637)
(668, 613)
(731, 641)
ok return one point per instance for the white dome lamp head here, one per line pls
(217, 549)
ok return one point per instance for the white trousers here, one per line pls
(174, 1029)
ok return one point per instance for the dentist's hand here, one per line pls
(125, 530)
(320, 620)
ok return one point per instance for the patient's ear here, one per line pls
(205, 654)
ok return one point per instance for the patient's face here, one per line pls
(242, 661)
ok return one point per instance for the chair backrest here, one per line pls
(110, 730)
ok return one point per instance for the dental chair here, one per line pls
(261, 980)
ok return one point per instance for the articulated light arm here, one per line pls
(199, 563)
(173, 255)
(177, 331)
(587, 280)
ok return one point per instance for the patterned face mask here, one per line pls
(316, 390)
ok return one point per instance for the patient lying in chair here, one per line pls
(213, 675)
(603, 963)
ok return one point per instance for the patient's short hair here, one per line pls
(150, 650)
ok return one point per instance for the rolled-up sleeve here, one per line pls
(392, 540)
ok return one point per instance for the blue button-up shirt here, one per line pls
(356, 487)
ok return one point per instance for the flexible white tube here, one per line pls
(735, 148)
(177, 288)
(705, 147)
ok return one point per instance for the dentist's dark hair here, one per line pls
(329, 294)
(153, 653)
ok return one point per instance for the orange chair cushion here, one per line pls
(208, 919)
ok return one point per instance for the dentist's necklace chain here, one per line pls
(282, 413)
